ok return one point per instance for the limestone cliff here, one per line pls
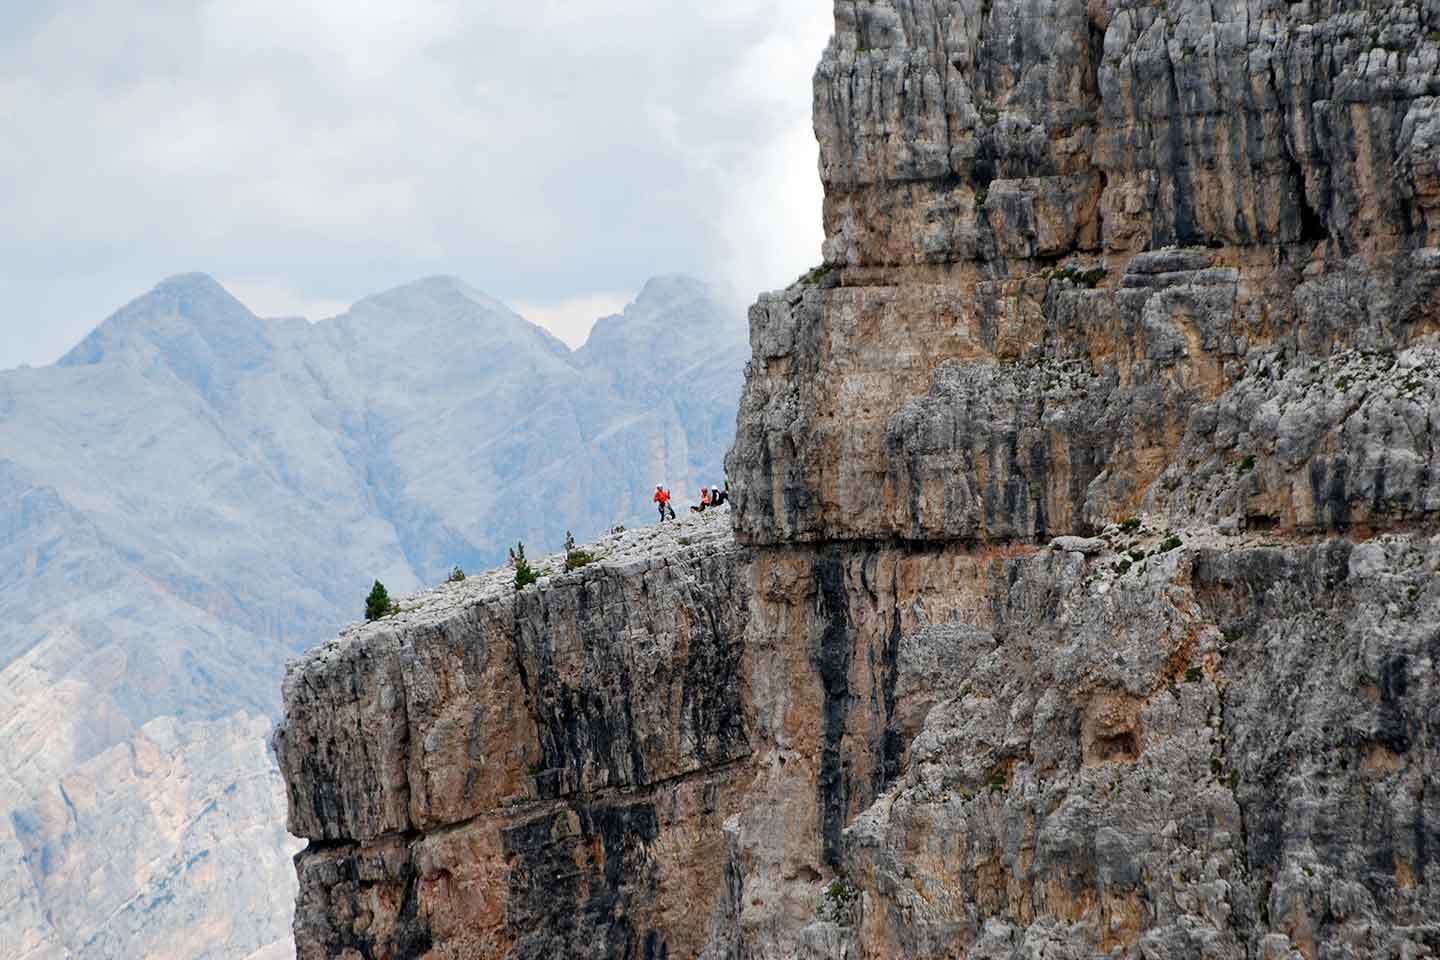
(537, 774)
(1084, 590)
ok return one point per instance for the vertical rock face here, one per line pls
(1084, 596)
(1063, 241)
(532, 774)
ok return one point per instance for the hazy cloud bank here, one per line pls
(310, 152)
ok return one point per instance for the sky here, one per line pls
(308, 153)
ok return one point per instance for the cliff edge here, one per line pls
(1083, 597)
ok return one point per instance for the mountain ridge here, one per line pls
(183, 292)
(196, 492)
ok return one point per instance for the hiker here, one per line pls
(705, 501)
(718, 496)
(662, 498)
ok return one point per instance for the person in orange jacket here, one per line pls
(662, 497)
(704, 501)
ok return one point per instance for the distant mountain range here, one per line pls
(194, 492)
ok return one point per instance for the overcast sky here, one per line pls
(306, 153)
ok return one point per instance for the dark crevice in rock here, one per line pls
(1182, 227)
(887, 766)
(1312, 225)
(577, 881)
(415, 939)
(711, 692)
(832, 659)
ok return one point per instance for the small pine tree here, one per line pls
(457, 575)
(378, 603)
(524, 573)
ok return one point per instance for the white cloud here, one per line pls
(370, 38)
(542, 151)
(571, 319)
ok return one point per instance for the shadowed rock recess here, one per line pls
(1083, 595)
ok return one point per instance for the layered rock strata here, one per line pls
(1084, 597)
(531, 774)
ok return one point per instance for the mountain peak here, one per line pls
(192, 284)
(668, 287)
(190, 318)
(437, 290)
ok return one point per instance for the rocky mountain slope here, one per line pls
(194, 493)
(1084, 592)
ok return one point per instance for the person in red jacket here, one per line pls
(662, 497)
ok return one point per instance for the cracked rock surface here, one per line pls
(1083, 594)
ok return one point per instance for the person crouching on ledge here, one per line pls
(704, 501)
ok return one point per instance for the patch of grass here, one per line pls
(1168, 544)
(1122, 566)
(814, 275)
(839, 902)
(1089, 279)
(1247, 464)
(575, 558)
(1193, 675)
(1130, 525)
(996, 783)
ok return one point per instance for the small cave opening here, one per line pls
(1312, 225)
(1124, 747)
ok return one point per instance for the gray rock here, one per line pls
(1084, 263)
(1089, 546)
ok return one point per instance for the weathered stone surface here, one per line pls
(1018, 747)
(532, 772)
(996, 411)
(1088, 525)
(1002, 185)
